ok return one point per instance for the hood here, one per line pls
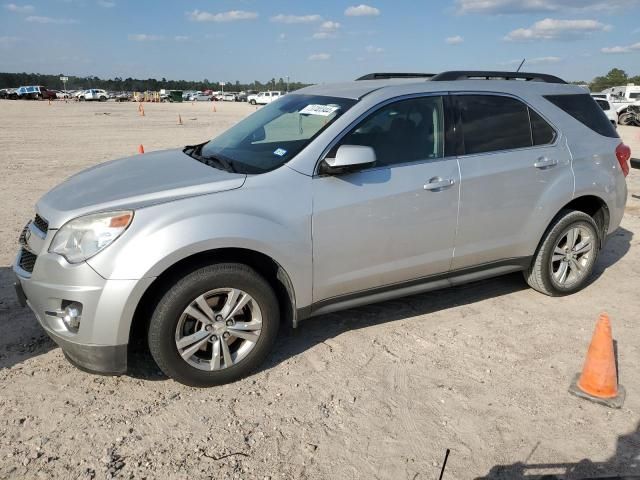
(134, 182)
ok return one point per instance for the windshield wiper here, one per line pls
(218, 162)
(195, 151)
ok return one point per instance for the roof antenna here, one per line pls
(521, 64)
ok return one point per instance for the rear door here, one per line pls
(513, 165)
(394, 222)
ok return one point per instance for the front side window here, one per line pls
(492, 123)
(273, 135)
(634, 95)
(404, 131)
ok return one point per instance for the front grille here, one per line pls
(27, 260)
(41, 223)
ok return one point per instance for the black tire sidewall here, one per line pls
(572, 219)
(168, 311)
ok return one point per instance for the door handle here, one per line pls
(437, 183)
(544, 162)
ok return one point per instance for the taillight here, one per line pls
(623, 153)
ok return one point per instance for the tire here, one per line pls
(545, 274)
(252, 102)
(625, 119)
(170, 320)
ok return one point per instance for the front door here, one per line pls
(396, 221)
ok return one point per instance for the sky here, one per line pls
(316, 40)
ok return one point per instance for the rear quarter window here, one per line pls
(584, 109)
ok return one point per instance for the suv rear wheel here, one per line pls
(214, 326)
(565, 258)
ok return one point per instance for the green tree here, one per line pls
(615, 77)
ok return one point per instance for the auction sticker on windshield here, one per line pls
(323, 110)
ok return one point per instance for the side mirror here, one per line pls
(349, 158)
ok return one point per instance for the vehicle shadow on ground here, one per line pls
(617, 246)
(21, 337)
(316, 330)
(624, 464)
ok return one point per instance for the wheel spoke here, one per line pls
(215, 357)
(191, 339)
(204, 306)
(247, 326)
(571, 238)
(575, 266)
(249, 336)
(194, 348)
(244, 299)
(226, 354)
(232, 298)
(197, 314)
(583, 247)
(561, 274)
(557, 257)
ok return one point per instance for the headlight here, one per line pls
(83, 237)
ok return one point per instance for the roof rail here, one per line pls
(493, 75)
(387, 76)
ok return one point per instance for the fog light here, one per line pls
(71, 316)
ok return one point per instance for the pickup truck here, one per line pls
(34, 92)
(263, 98)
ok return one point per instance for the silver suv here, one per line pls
(331, 197)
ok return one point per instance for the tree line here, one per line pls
(117, 84)
(615, 77)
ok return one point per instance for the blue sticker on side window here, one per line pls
(281, 152)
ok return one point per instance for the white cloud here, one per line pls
(231, 16)
(181, 38)
(328, 29)
(622, 49)
(59, 21)
(282, 18)
(7, 42)
(528, 6)
(372, 49)
(362, 11)
(455, 40)
(552, 29)
(534, 61)
(106, 4)
(144, 37)
(12, 7)
(319, 56)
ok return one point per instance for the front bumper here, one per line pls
(99, 344)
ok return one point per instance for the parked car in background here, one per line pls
(93, 94)
(329, 198)
(608, 110)
(7, 93)
(264, 98)
(63, 94)
(228, 97)
(34, 92)
(200, 97)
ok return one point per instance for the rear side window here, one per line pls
(541, 132)
(492, 123)
(584, 109)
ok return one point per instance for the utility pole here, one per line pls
(287, 83)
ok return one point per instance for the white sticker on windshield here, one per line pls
(322, 110)
(281, 152)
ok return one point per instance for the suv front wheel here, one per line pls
(565, 258)
(215, 326)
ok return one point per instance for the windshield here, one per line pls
(274, 134)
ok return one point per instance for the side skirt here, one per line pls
(413, 287)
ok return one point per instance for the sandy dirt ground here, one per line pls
(376, 392)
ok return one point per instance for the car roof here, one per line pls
(358, 89)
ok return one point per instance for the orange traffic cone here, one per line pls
(141, 110)
(179, 120)
(140, 148)
(49, 102)
(214, 108)
(598, 381)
